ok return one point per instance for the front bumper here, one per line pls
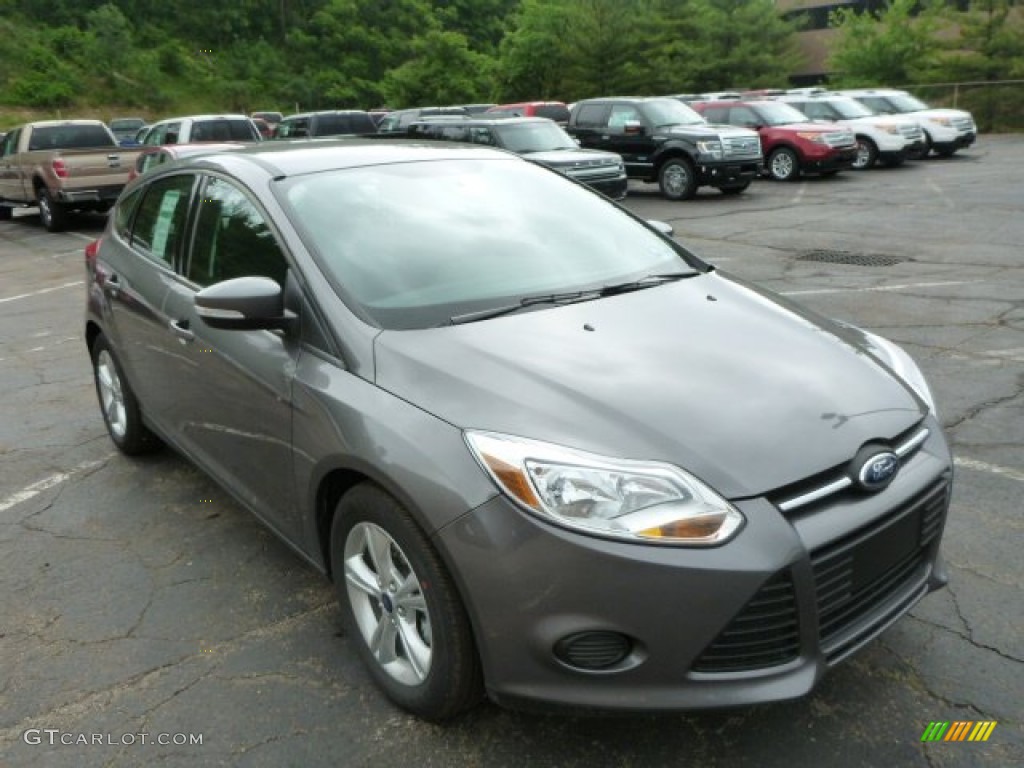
(759, 619)
(835, 160)
(728, 174)
(614, 187)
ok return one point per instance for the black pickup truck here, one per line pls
(662, 140)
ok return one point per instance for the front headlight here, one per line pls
(887, 128)
(942, 121)
(712, 147)
(815, 136)
(637, 501)
(903, 365)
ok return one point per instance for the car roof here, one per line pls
(326, 112)
(203, 117)
(481, 120)
(282, 159)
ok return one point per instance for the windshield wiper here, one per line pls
(570, 297)
(644, 282)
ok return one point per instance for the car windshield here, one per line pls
(533, 137)
(671, 112)
(849, 109)
(413, 244)
(777, 113)
(127, 124)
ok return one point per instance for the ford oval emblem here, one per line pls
(878, 471)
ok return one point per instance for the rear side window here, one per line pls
(334, 125)
(123, 214)
(293, 129)
(160, 222)
(592, 115)
(224, 130)
(232, 238)
(70, 137)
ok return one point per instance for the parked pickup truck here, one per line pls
(62, 165)
(662, 140)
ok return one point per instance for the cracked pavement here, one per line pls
(136, 597)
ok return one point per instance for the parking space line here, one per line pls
(994, 469)
(903, 287)
(30, 491)
(41, 292)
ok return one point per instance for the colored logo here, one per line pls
(878, 471)
(961, 730)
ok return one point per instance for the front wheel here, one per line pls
(120, 408)
(783, 164)
(6, 213)
(400, 607)
(677, 179)
(53, 215)
(867, 154)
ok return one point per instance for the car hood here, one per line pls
(743, 389)
(701, 129)
(570, 158)
(958, 114)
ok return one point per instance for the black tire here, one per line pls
(945, 151)
(53, 215)
(894, 161)
(118, 404)
(677, 179)
(6, 213)
(784, 165)
(413, 611)
(867, 154)
(928, 146)
(734, 189)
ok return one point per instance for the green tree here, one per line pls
(442, 70)
(534, 57)
(899, 44)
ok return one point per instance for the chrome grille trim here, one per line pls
(902, 450)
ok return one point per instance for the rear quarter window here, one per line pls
(334, 125)
(557, 112)
(592, 115)
(224, 130)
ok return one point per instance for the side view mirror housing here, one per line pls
(244, 304)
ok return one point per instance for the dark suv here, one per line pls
(399, 122)
(662, 140)
(791, 144)
(345, 122)
(539, 140)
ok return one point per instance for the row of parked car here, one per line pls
(680, 142)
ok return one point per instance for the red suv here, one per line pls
(552, 110)
(790, 143)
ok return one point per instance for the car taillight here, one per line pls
(92, 250)
(60, 168)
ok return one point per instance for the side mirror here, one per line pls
(244, 304)
(633, 128)
(662, 226)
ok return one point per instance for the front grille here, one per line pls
(963, 124)
(742, 146)
(764, 634)
(911, 132)
(595, 174)
(855, 576)
(839, 140)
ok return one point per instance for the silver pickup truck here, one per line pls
(60, 166)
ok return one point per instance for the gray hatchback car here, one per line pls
(543, 451)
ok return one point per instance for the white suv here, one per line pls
(945, 130)
(197, 128)
(889, 139)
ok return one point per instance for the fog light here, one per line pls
(593, 650)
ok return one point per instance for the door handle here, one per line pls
(180, 329)
(112, 285)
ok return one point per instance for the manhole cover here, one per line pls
(850, 257)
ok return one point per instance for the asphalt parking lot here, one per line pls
(139, 604)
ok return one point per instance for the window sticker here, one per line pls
(162, 230)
